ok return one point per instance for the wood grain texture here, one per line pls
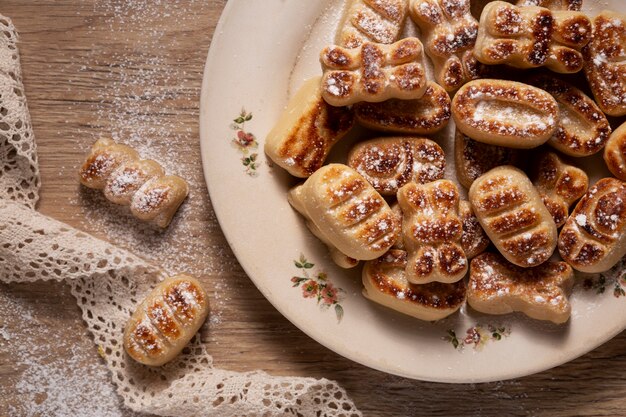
(70, 51)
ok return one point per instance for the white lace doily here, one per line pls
(109, 282)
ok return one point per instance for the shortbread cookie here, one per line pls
(385, 283)
(128, 180)
(498, 287)
(391, 162)
(449, 31)
(423, 116)
(432, 231)
(505, 113)
(558, 184)
(615, 153)
(166, 321)
(583, 129)
(373, 72)
(306, 131)
(605, 62)
(594, 236)
(379, 21)
(344, 211)
(474, 240)
(531, 37)
(511, 212)
(573, 5)
(472, 159)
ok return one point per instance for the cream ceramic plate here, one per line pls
(262, 51)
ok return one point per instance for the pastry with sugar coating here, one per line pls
(615, 153)
(531, 37)
(346, 213)
(385, 283)
(496, 286)
(307, 130)
(474, 240)
(128, 180)
(432, 230)
(391, 162)
(472, 158)
(605, 62)
(373, 72)
(166, 320)
(379, 21)
(511, 212)
(449, 31)
(583, 129)
(594, 236)
(423, 116)
(558, 184)
(556, 5)
(505, 113)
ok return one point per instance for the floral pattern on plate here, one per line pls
(246, 143)
(318, 287)
(477, 336)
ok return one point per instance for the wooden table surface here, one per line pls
(90, 65)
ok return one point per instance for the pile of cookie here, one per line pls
(426, 251)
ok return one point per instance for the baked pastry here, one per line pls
(474, 240)
(505, 113)
(615, 152)
(391, 162)
(582, 129)
(166, 321)
(573, 5)
(472, 159)
(397, 213)
(373, 72)
(385, 283)
(128, 180)
(531, 37)
(449, 31)
(432, 230)
(345, 212)
(496, 286)
(424, 116)
(605, 62)
(512, 214)
(594, 236)
(379, 21)
(558, 184)
(307, 130)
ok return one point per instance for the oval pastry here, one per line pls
(496, 286)
(582, 129)
(505, 113)
(423, 116)
(472, 158)
(512, 214)
(344, 211)
(615, 153)
(391, 162)
(594, 236)
(307, 130)
(559, 185)
(166, 320)
(474, 241)
(432, 231)
(385, 283)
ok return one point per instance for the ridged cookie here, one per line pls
(391, 162)
(594, 236)
(344, 211)
(511, 212)
(385, 283)
(496, 286)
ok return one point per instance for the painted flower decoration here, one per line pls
(246, 143)
(477, 336)
(318, 287)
